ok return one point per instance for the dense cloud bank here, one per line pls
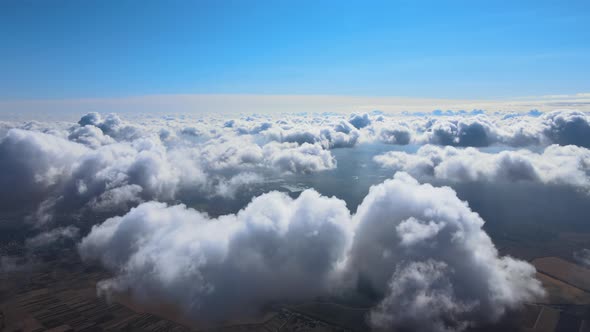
(567, 165)
(105, 164)
(467, 129)
(416, 249)
(420, 248)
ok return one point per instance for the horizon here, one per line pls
(250, 103)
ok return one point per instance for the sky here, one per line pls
(419, 49)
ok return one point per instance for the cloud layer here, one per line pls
(417, 250)
(105, 164)
(567, 165)
(281, 249)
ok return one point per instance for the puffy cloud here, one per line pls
(275, 248)
(476, 131)
(396, 135)
(33, 163)
(566, 127)
(233, 154)
(117, 176)
(420, 248)
(360, 120)
(228, 153)
(562, 127)
(427, 252)
(107, 165)
(328, 136)
(567, 165)
(63, 175)
(305, 158)
(341, 137)
(409, 245)
(93, 119)
(462, 129)
(253, 129)
(458, 130)
(90, 136)
(228, 188)
(111, 125)
(118, 198)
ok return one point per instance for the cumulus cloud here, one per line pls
(105, 164)
(34, 162)
(426, 251)
(276, 248)
(295, 158)
(395, 135)
(360, 120)
(90, 136)
(417, 250)
(567, 127)
(563, 127)
(417, 246)
(329, 135)
(568, 165)
(461, 129)
(111, 125)
(228, 188)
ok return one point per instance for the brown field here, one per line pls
(558, 292)
(565, 271)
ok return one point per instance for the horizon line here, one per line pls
(277, 103)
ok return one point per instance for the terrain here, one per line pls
(53, 290)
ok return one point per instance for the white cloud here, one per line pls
(359, 120)
(275, 248)
(425, 250)
(567, 165)
(567, 127)
(107, 164)
(416, 244)
(304, 158)
(417, 248)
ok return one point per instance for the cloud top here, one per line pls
(417, 245)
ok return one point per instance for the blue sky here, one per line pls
(438, 49)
